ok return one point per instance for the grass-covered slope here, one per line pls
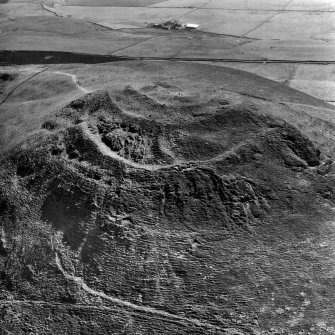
(166, 206)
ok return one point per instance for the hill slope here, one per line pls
(157, 203)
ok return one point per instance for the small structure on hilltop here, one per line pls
(190, 26)
(173, 24)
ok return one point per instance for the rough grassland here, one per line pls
(141, 201)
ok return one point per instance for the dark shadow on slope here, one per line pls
(52, 57)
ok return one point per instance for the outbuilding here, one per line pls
(191, 26)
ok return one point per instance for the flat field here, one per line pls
(297, 32)
(274, 39)
(111, 3)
